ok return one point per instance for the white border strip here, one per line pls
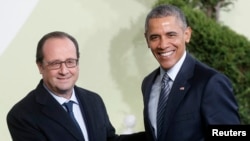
(13, 14)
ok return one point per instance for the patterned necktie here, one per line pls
(69, 107)
(165, 89)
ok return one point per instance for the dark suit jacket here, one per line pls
(200, 96)
(39, 117)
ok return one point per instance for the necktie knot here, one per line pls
(165, 79)
(69, 106)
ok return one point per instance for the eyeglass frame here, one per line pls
(52, 65)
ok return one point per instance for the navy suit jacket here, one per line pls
(200, 96)
(39, 117)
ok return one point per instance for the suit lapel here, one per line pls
(86, 112)
(178, 91)
(53, 110)
(89, 105)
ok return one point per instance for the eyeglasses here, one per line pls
(70, 63)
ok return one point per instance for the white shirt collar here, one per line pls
(172, 72)
(62, 100)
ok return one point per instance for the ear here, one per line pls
(40, 67)
(188, 33)
(145, 36)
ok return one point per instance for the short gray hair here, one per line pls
(164, 11)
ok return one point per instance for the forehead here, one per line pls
(164, 24)
(59, 48)
(164, 21)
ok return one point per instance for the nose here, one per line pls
(163, 43)
(63, 68)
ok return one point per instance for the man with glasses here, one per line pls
(57, 109)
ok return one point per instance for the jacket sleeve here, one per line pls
(111, 133)
(21, 129)
(219, 105)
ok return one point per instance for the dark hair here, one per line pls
(55, 34)
(164, 11)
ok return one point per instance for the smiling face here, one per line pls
(167, 38)
(62, 80)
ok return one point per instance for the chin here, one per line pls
(167, 66)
